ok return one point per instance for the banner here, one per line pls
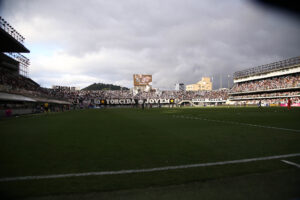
(134, 101)
(118, 101)
(159, 101)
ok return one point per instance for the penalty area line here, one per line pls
(237, 123)
(131, 171)
(291, 163)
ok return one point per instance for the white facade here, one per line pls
(179, 87)
(293, 70)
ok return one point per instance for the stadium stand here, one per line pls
(18, 93)
(270, 84)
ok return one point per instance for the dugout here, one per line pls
(18, 104)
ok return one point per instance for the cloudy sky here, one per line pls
(76, 43)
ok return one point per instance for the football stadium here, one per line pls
(231, 143)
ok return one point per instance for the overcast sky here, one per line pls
(77, 43)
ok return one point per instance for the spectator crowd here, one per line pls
(287, 81)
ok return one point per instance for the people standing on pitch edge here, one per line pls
(46, 107)
(289, 103)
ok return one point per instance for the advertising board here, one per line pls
(142, 79)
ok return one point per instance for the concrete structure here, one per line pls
(272, 94)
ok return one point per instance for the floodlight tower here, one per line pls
(12, 45)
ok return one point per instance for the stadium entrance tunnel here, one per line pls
(186, 103)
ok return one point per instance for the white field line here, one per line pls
(130, 171)
(291, 163)
(237, 123)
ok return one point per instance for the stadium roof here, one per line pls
(46, 100)
(276, 66)
(10, 44)
(14, 97)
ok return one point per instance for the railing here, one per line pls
(268, 67)
(9, 29)
(19, 57)
(266, 97)
(265, 90)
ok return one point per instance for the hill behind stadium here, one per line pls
(103, 86)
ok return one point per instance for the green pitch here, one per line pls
(124, 139)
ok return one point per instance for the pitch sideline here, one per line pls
(130, 171)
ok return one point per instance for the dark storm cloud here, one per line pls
(173, 40)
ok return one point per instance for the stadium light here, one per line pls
(228, 80)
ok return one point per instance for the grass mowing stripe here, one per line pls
(238, 123)
(130, 171)
(291, 163)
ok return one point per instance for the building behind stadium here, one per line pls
(204, 84)
(65, 88)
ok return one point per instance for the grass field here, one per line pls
(124, 139)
